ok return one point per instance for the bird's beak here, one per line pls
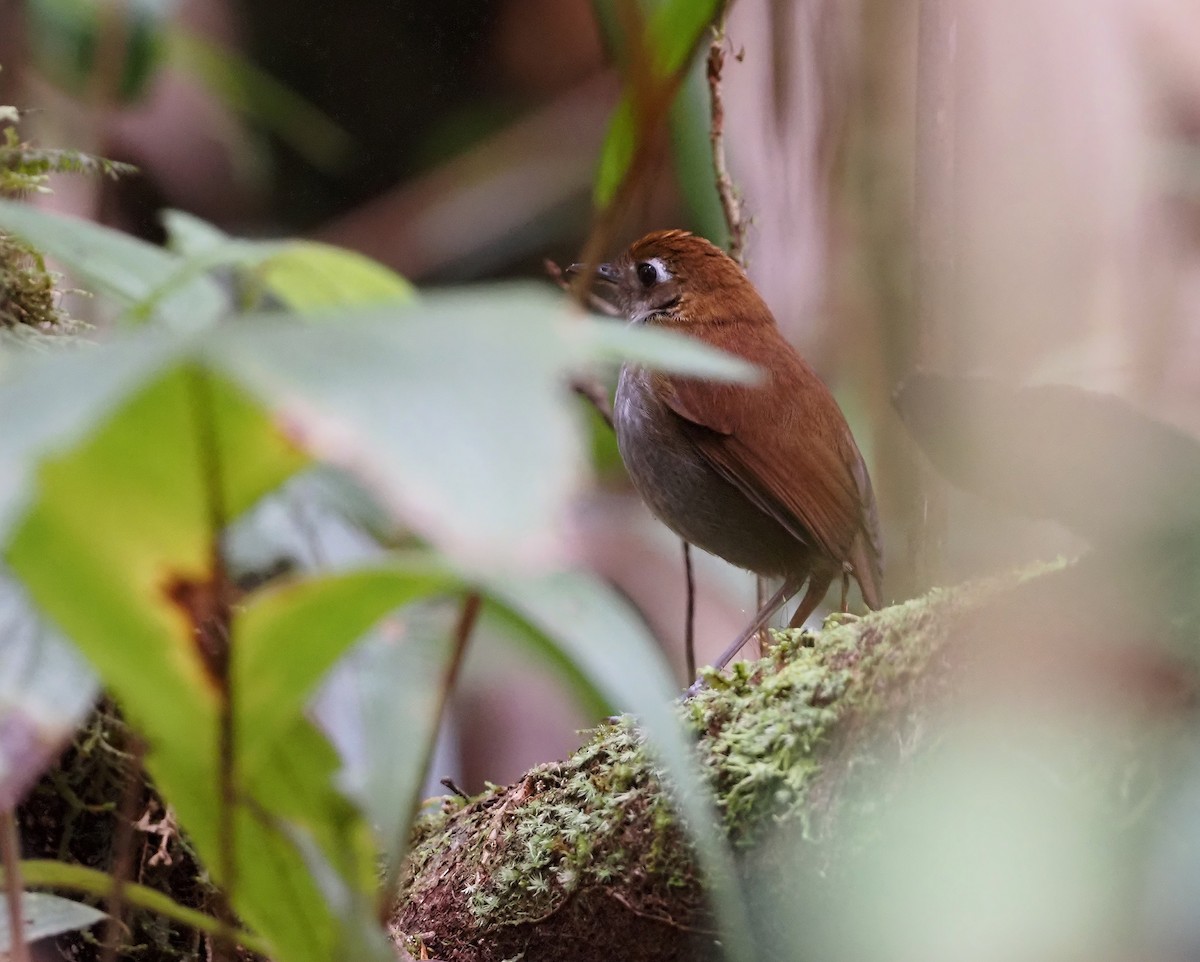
(600, 297)
(604, 272)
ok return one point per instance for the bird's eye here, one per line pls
(647, 273)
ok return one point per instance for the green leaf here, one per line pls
(190, 236)
(381, 707)
(288, 638)
(117, 549)
(594, 629)
(55, 400)
(305, 276)
(308, 276)
(120, 523)
(45, 873)
(663, 350)
(314, 135)
(48, 915)
(361, 937)
(295, 795)
(455, 410)
(616, 153)
(692, 152)
(117, 265)
(674, 30)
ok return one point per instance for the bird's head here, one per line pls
(673, 278)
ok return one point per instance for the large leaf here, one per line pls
(455, 411)
(118, 550)
(114, 264)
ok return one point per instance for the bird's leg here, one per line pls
(789, 587)
(772, 605)
(689, 628)
(818, 585)
(845, 588)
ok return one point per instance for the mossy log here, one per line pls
(583, 859)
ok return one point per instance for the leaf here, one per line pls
(674, 30)
(46, 689)
(117, 550)
(190, 236)
(117, 265)
(361, 938)
(308, 276)
(54, 400)
(380, 707)
(692, 152)
(454, 411)
(233, 78)
(304, 276)
(295, 794)
(45, 873)
(585, 622)
(616, 153)
(289, 637)
(48, 915)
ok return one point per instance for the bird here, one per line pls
(765, 475)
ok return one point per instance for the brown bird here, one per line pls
(767, 475)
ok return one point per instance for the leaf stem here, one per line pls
(10, 851)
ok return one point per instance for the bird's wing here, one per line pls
(789, 452)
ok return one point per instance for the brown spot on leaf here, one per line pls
(207, 605)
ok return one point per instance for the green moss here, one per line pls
(781, 741)
(29, 304)
(563, 826)
(28, 300)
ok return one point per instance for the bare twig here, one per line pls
(468, 617)
(10, 851)
(122, 870)
(449, 783)
(655, 917)
(731, 204)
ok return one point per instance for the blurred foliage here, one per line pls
(47, 916)
(134, 456)
(656, 63)
(29, 304)
(72, 41)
